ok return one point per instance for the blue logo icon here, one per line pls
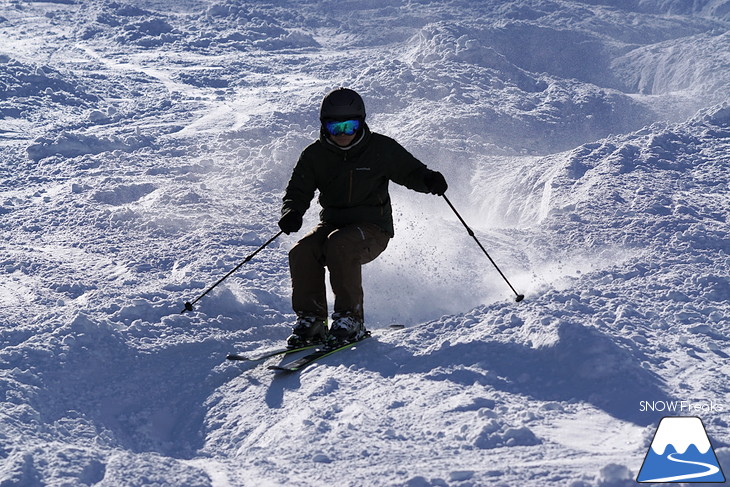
(680, 452)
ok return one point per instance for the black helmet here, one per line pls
(342, 104)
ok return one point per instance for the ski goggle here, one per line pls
(346, 127)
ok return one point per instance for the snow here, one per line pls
(145, 149)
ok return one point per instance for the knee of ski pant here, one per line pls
(311, 245)
(305, 248)
(356, 243)
(343, 246)
(295, 251)
(360, 243)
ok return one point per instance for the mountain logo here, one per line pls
(680, 452)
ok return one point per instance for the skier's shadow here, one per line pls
(291, 381)
(280, 384)
(582, 365)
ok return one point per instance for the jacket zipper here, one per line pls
(349, 192)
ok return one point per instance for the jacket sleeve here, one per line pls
(406, 170)
(302, 185)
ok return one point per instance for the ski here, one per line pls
(320, 353)
(269, 354)
(259, 356)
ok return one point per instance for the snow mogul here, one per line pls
(351, 167)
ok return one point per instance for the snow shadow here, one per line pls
(139, 400)
(280, 384)
(582, 365)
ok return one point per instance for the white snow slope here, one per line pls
(145, 147)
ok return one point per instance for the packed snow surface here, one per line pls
(145, 150)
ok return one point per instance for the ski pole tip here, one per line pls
(519, 297)
(188, 307)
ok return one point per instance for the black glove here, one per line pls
(435, 182)
(291, 222)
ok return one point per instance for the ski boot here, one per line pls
(308, 330)
(346, 328)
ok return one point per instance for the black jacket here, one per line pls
(353, 183)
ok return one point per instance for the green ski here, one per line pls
(269, 354)
(320, 353)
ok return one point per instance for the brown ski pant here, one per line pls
(343, 251)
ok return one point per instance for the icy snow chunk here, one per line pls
(719, 116)
(125, 10)
(418, 481)
(124, 194)
(95, 116)
(75, 144)
(290, 40)
(461, 475)
(614, 475)
(26, 88)
(476, 404)
(321, 458)
(495, 434)
(130, 25)
(152, 27)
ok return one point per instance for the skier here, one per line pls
(351, 167)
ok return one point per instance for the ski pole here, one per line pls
(519, 297)
(189, 304)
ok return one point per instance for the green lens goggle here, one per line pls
(346, 127)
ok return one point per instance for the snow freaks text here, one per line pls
(681, 407)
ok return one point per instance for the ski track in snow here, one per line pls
(146, 146)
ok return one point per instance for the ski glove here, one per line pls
(291, 222)
(435, 182)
